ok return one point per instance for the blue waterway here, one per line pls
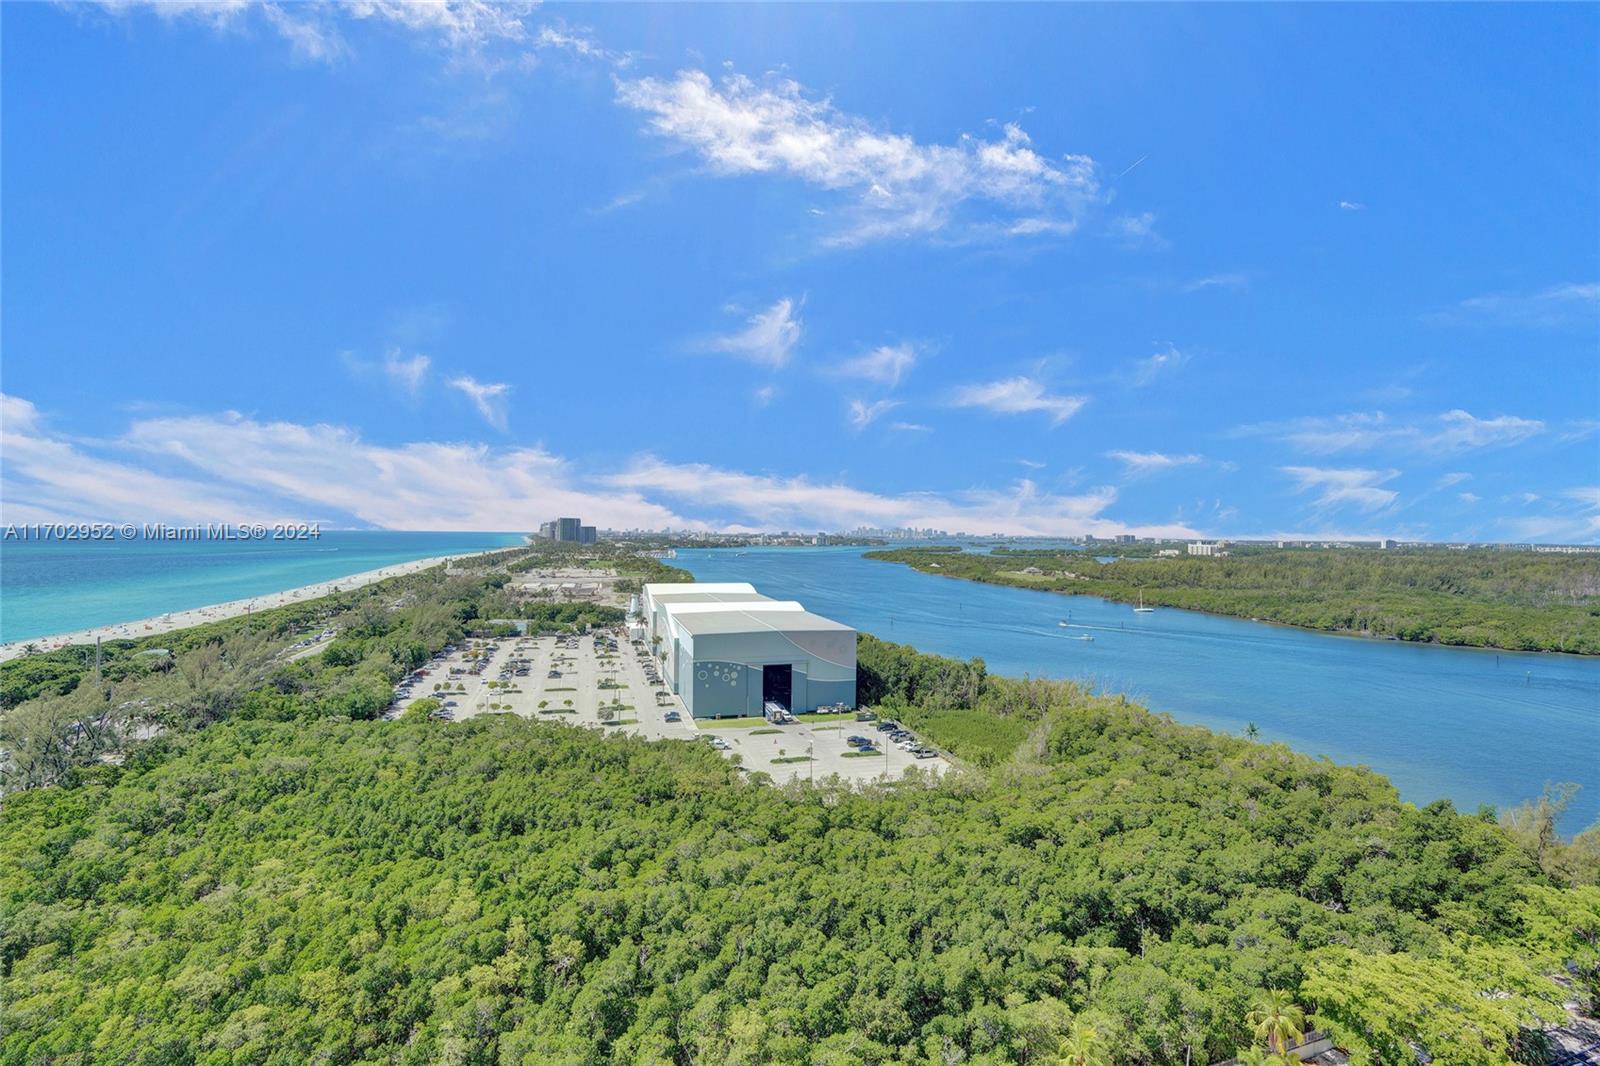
(51, 587)
(1470, 725)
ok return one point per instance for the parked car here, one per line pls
(925, 753)
(858, 742)
(673, 716)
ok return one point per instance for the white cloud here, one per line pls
(1018, 395)
(1139, 464)
(461, 25)
(765, 395)
(1341, 487)
(229, 467)
(1448, 433)
(886, 365)
(407, 373)
(310, 38)
(1588, 496)
(489, 398)
(769, 337)
(1559, 305)
(1148, 369)
(863, 414)
(46, 476)
(799, 503)
(910, 427)
(1468, 498)
(892, 185)
(1137, 229)
(465, 27)
(1351, 205)
(1447, 480)
(1218, 281)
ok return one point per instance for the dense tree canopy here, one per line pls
(276, 877)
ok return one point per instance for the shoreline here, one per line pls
(1353, 634)
(217, 612)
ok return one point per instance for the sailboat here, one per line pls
(1142, 609)
(1063, 623)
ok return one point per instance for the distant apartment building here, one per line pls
(1209, 548)
(568, 530)
(1387, 544)
(1126, 538)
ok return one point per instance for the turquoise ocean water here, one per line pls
(1469, 725)
(49, 587)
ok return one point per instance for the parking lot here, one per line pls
(601, 681)
(591, 680)
(782, 750)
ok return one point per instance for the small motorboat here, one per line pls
(1063, 625)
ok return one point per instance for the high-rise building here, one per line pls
(567, 529)
(586, 535)
(547, 530)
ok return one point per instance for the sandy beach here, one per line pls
(166, 623)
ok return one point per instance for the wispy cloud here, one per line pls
(889, 184)
(313, 30)
(488, 398)
(1142, 464)
(1146, 370)
(404, 373)
(1351, 205)
(1447, 433)
(1018, 395)
(910, 427)
(1468, 498)
(769, 337)
(1137, 229)
(407, 372)
(1570, 303)
(1344, 487)
(863, 414)
(886, 365)
(799, 503)
(1233, 281)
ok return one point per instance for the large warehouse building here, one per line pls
(728, 651)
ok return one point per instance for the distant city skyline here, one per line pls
(1292, 272)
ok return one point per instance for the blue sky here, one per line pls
(1222, 270)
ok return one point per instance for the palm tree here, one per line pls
(1083, 1047)
(1277, 1021)
(30, 649)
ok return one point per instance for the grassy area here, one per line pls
(792, 758)
(863, 754)
(562, 688)
(763, 732)
(977, 735)
(731, 723)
